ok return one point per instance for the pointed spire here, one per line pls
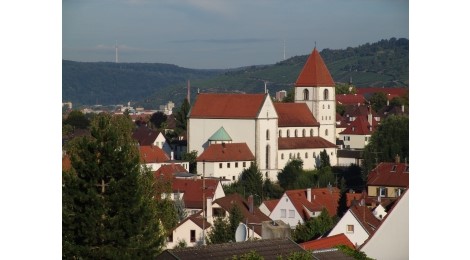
(314, 73)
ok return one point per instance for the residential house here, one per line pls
(148, 137)
(388, 180)
(268, 206)
(359, 132)
(152, 157)
(191, 192)
(252, 216)
(391, 240)
(297, 206)
(358, 223)
(191, 230)
(224, 159)
(350, 99)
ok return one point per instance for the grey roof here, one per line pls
(346, 153)
(331, 254)
(267, 248)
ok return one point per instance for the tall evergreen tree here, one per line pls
(108, 206)
(182, 116)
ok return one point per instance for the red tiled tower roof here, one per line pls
(328, 242)
(226, 152)
(314, 73)
(294, 114)
(227, 105)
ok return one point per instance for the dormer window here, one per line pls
(394, 168)
(407, 168)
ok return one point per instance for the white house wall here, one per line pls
(286, 204)
(354, 141)
(183, 232)
(357, 237)
(212, 169)
(307, 156)
(267, 120)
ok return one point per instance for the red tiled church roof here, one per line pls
(290, 143)
(314, 73)
(294, 114)
(227, 105)
(226, 152)
(328, 242)
(152, 154)
(382, 175)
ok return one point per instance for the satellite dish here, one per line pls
(241, 234)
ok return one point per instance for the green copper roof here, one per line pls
(220, 135)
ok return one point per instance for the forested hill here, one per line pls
(384, 63)
(107, 83)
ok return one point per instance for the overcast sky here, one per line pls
(223, 33)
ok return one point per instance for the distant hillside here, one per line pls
(384, 63)
(107, 83)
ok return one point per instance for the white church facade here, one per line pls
(273, 132)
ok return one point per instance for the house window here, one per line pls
(398, 192)
(290, 155)
(328, 106)
(193, 235)
(233, 178)
(170, 237)
(394, 168)
(306, 94)
(303, 133)
(326, 132)
(382, 191)
(298, 155)
(323, 107)
(350, 228)
(267, 134)
(283, 213)
(288, 133)
(280, 133)
(295, 132)
(282, 156)
(306, 155)
(325, 94)
(311, 132)
(228, 165)
(220, 165)
(314, 155)
(291, 214)
(244, 164)
(406, 168)
(236, 165)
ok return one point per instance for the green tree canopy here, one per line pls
(191, 158)
(224, 230)
(313, 227)
(77, 120)
(378, 101)
(181, 116)
(108, 206)
(158, 119)
(324, 159)
(290, 173)
(390, 139)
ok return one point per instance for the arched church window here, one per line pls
(311, 132)
(306, 94)
(280, 133)
(288, 133)
(303, 132)
(295, 132)
(325, 94)
(267, 156)
(267, 134)
(326, 132)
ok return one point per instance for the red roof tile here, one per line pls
(152, 154)
(382, 175)
(226, 152)
(350, 197)
(314, 73)
(364, 215)
(192, 189)
(350, 99)
(197, 219)
(321, 198)
(235, 199)
(270, 204)
(328, 242)
(170, 169)
(144, 135)
(66, 163)
(294, 114)
(360, 126)
(227, 105)
(289, 143)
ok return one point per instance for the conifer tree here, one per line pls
(108, 206)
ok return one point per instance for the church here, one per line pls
(231, 131)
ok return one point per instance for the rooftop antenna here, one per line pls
(315, 44)
(116, 47)
(189, 92)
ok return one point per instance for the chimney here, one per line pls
(209, 209)
(369, 116)
(330, 188)
(309, 194)
(397, 158)
(250, 204)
